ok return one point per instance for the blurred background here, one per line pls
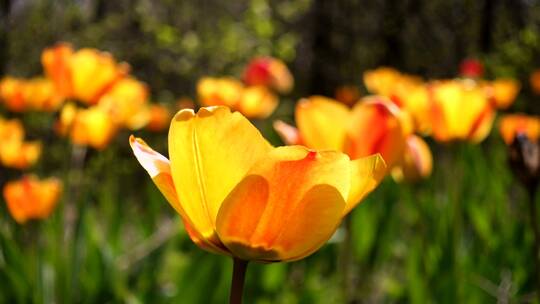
(124, 244)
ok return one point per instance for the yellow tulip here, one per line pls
(460, 111)
(269, 72)
(512, 125)
(126, 102)
(252, 101)
(93, 127)
(29, 94)
(31, 198)
(416, 162)
(374, 125)
(226, 182)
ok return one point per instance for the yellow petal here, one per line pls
(159, 169)
(322, 122)
(366, 174)
(257, 102)
(210, 153)
(287, 206)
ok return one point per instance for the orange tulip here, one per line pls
(416, 162)
(374, 125)
(31, 198)
(32, 94)
(503, 92)
(460, 111)
(226, 182)
(160, 116)
(269, 72)
(126, 102)
(513, 124)
(534, 81)
(85, 74)
(93, 127)
(253, 102)
(14, 151)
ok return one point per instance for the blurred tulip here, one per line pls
(14, 151)
(472, 68)
(184, 103)
(220, 163)
(65, 120)
(160, 117)
(253, 102)
(85, 74)
(126, 102)
(416, 162)
(36, 94)
(224, 91)
(503, 92)
(461, 111)
(374, 125)
(257, 102)
(513, 124)
(348, 94)
(31, 198)
(269, 72)
(408, 92)
(93, 127)
(534, 81)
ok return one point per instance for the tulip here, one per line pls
(126, 102)
(374, 125)
(534, 81)
(381, 81)
(31, 198)
(460, 111)
(34, 94)
(503, 92)
(85, 74)
(160, 116)
(521, 133)
(253, 102)
(512, 125)
(226, 182)
(269, 72)
(472, 68)
(416, 162)
(93, 127)
(12, 93)
(14, 151)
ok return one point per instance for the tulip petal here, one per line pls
(210, 153)
(366, 174)
(289, 134)
(322, 122)
(287, 206)
(158, 167)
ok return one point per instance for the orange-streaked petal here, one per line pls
(210, 153)
(366, 174)
(287, 206)
(376, 127)
(322, 122)
(159, 169)
(289, 134)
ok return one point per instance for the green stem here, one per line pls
(534, 225)
(346, 261)
(238, 279)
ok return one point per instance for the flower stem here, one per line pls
(346, 263)
(534, 225)
(237, 285)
